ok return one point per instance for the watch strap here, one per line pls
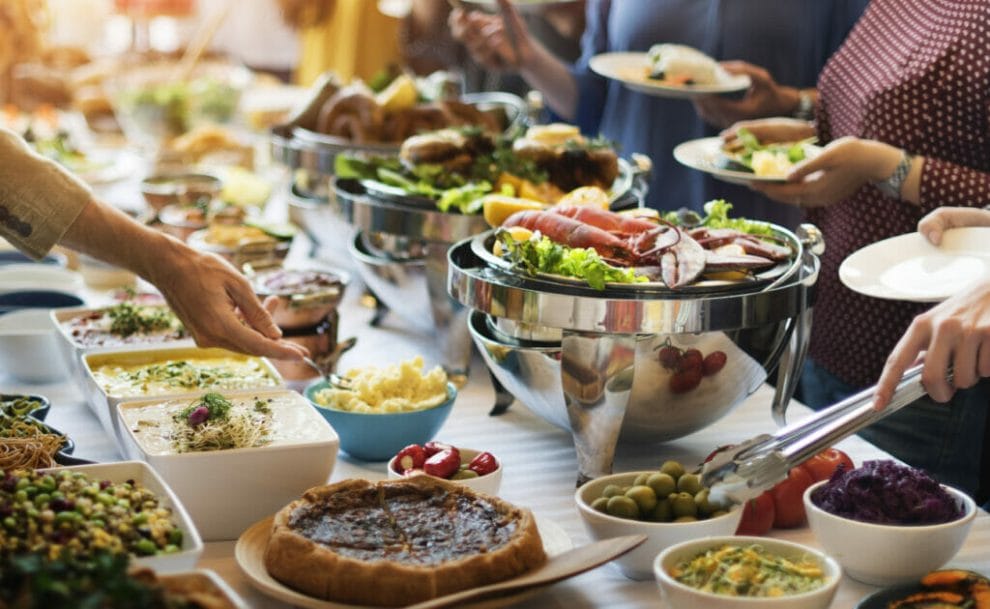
(891, 186)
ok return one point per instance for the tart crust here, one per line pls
(397, 542)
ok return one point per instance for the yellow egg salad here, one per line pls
(749, 571)
(396, 388)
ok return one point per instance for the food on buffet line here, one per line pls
(668, 495)
(26, 442)
(50, 512)
(395, 388)
(676, 64)
(602, 247)
(170, 376)
(106, 581)
(183, 189)
(44, 131)
(419, 538)
(125, 323)
(770, 160)
(289, 282)
(208, 144)
(886, 492)
(217, 422)
(457, 167)
(442, 460)
(688, 366)
(751, 571)
(947, 589)
(356, 113)
(20, 405)
(252, 240)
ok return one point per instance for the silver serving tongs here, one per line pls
(742, 471)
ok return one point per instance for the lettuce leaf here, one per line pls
(541, 255)
(717, 216)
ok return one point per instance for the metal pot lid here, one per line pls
(476, 283)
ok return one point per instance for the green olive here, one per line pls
(672, 468)
(464, 474)
(683, 505)
(662, 512)
(662, 484)
(612, 490)
(641, 479)
(705, 507)
(644, 497)
(689, 483)
(622, 507)
(600, 504)
(686, 519)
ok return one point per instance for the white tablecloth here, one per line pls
(539, 465)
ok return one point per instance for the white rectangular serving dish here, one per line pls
(226, 491)
(144, 475)
(202, 580)
(104, 404)
(72, 352)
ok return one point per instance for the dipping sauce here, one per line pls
(252, 421)
(396, 388)
(749, 571)
(183, 376)
(125, 323)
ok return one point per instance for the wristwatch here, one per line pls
(891, 186)
(806, 106)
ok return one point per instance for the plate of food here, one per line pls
(279, 543)
(523, 6)
(944, 588)
(669, 70)
(908, 267)
(746, 159)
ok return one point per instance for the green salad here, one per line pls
(717, 216)
(541, 255)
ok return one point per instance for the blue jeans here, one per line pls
(946, 440)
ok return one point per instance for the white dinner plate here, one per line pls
(632, 70)
(908, 267)
(250, 555)
(705, 154)
(523, 6)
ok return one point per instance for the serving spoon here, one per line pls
(557, 568)
(333, 379)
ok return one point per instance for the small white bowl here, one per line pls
(681, 596)
(29, 347)
(882, 554)
(192, 545)
(638, 564)
(488, 484)
(226, 491)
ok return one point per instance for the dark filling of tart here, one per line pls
(404, 524)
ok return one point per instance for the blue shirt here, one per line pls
(792, 39)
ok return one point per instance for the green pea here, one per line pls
(600, 504)
(47, 484)
(139, 519)
(145, 547)
(612, 490)
(170, 549)
(22, 484)
(662, 484)
(672, 468)
(175, 537)
(622, 507)
(689, 483)
(9, 522)
(41, 499)
(644, 497)
(663, 512)
(21, 496)
(63, 517)
(683, 504)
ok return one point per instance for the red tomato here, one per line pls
(788, 502)
(685, 380)
(691, 360)
(714, 362)
(824, 464)
(758, 516)
(669, 357)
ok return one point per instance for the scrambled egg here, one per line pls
(771, 164)
(396, 388)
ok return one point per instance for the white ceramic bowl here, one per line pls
(192, 544)
(488, 484)
(681, 596)
(34, 276)
(225, 491)
(883, 555)
(638, 564)
(29, 348)
(104, 403)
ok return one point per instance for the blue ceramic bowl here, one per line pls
(377, 437)
(37, 299)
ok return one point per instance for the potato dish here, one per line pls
(397, 388)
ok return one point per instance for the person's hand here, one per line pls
(764, 98)
(211, 298)
(841, 169)
(772, 130)
(942, 219)
(955, 333)
(488, 40)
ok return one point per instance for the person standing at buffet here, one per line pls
(792, 38)
(903, 108)
(41, 204)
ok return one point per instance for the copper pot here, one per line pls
(321, 341)
(303, 297)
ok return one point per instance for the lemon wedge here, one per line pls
(400, 94)
(518, 233)
(497, 208)
(590, 196)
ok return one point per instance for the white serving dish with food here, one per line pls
(191, 545)
(115, 376)
(257, 476)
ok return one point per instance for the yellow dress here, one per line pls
(357, 40)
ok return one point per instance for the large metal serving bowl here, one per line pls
(587, 361)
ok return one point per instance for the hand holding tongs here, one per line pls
(743, 471)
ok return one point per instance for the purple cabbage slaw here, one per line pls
(886, 492)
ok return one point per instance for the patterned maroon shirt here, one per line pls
(914, 74)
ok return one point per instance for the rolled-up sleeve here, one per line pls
(39, 200)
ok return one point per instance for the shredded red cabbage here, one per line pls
(885, 492)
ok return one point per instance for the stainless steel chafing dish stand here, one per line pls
(743, 471)
(586, 360)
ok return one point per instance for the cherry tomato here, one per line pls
(691, 360)
(685, 380)
(788, 502)
(443, 464)
(433, 447)
(669, 357)
(410, 457)
(758, 516)
(483, 464)
(824, 464)
(713, 362)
